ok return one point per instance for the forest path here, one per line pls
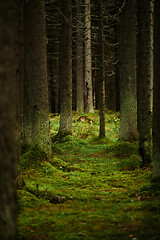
(102, 193)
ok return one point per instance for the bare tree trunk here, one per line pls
(79, 60)
(101, 72)
(88, 60)
(8, 76)
(56, 80)
(144, 48)
(156, 93)
(66, 70)
(128, 96)
(117, 66)
(52, 29)
(19, 83)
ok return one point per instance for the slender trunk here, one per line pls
(88, 60)
(66, 70)
(144, 79)
(117, 66)
(101, 72)
(79, 60)
(52, 23)
(19, 83)
(96, 83)
(56, 83)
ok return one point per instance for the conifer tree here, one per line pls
(101, 71)
(66, 70)
(144, 58)
(156, 92)
(36, 104)
(8, 76)
(128, 96)
(88, 60)
(79, 59)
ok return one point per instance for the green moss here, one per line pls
(26, 199)
(107, 194)
(33, 156)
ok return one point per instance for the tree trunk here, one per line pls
(52, 29)
(56, 83)
(88, 61)
(66, 70)
(36, 104)
(101, 72)
(19, 87)
(128, 96)
(8, 76)
(117, 65)
(144, 54)
(156, 92)
(79, 60)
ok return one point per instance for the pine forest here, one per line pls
(79, 120)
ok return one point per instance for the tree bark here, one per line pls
(19, 86)
(144, 56)
(66, 70)
(156, 92)
(128, 96)
(36, 104)
(117, 65)
(101, 71)
(79, 60)
(8, 76)
(88, 60)
(52, 29)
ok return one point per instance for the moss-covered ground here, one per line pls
(91, 189)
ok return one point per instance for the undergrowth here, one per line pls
(93, 188)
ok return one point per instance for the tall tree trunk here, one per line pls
(19, 83)
(79, 60)
(156, 92)
(101, 72)
(117, 65)
(27, 87)
(8, 76)
(128, 96)
(144, 48)
(88, 60)
(96, 81)
(66, 70)
(56, 82)
(52, 29)
(151, 65)
(36, 105)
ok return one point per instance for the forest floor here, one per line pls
(92, 189)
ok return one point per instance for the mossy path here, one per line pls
(91, 189)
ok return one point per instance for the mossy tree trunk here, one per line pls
(36, 104)
(144, 56)
(8, 77)
(65, 73)
(128, 96)
(156, 92)
(88, 60)
(101, 71)
(79, 59)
